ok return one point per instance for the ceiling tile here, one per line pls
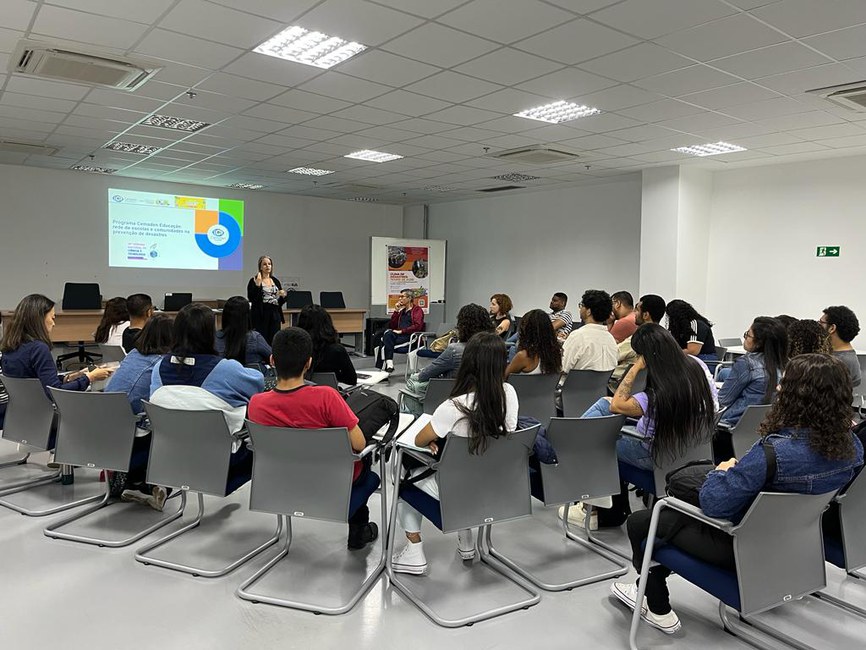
(44, 88)
(135, 10)
(797, 147)
(40, 103)
(86, 28)
(486, 18)
(439, 45)
(221, 24)
(639, 61)
(769, 140)
(801, 121)
(344, 87)
(182, 75)
(421, 7)
(723, 37)
(568, 82)
(419, 125)
(363, 22)
(698, 123)
(827, 132)
(30, 114)
(465, 115)
(167, 45)
(806, 17)
(229, 84)
(686, 80)
(616, 98)
(453, 87)
(652, 19)
(766, 109)
(770, 61)
(799, 81)
(508, 66)
(606, 122)
(576, 41)
(386, 68)
(843, 44)
(9, 39)
(666, 109)
(279, 113)
(641, 133)
(338, 124)
(740, 93)
(284, 11)
(368, 115)
(841, 143)
(18, 13)
(386, 134)
(212, 101)
(305, 101)
(508, 101)
(271, 70)
(406, 103)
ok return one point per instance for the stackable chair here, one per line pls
(745, 432)
(438, 390)
(789, 524)
(29, 420)
(419, 341)
(332, 300)
(307, 473)
(585, 468)
(325, 379)
(97, 430)
(535, 394)
(475, 490)
(730, 343)
(190, 451)
(581, 389)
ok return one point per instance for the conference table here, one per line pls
(74, 325)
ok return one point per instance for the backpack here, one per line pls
(374, 411)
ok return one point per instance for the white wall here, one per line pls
(54, 229)
(659, 218)
(766, 223)
(693, 236)
(532, 244)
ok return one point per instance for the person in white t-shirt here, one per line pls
(481, 407)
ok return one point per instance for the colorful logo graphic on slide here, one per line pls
(219, 233)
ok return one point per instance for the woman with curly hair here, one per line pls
(806, 337)
(500, 314)
(692, 331)
(808, 427)
(538, 350)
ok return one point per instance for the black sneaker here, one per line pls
(360, 536)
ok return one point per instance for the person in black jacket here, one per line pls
(329, 355)
(266, 296)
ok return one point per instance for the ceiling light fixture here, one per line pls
(131, 147)
(246, 186)
(516, 178)
(438, 188)
(710, 149)
(92, 169)
(557, 112)
(175, 123)
(310, 171)
(373, 156)
(364, 199)
(300, 45)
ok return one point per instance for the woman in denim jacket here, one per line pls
(766, 344)
(809, 426)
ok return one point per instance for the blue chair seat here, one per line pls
(362, 491)
(423, 503)
(721, 583)
(643, 479)
(428, 353)
(833, 551)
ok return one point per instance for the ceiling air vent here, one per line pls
(502, 188)
(9, 146)
(536, 154)
(42, 60)
(852, 96)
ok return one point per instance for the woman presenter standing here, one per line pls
(266, 297)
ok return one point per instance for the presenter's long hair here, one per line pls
(482, 372)
(27, 323)
(236, 326)
(680, 402)
(317, 322)
(116, 312)
(538, 338)
(194, 331)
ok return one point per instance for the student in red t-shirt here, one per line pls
(298, 405)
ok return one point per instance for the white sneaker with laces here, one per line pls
(410, 560)
(577, 516)
(626, 592)
(465, 544)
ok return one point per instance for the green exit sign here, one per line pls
(828, 251)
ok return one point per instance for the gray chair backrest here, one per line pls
(301, 472)
(581, 389)
(298, 299)
(779, 549)
(586, 463)
(479, 489)
(95, 429)
(111, 353)
(189, 449)
(29, 413)
(438, 391)
(721, 351)
(332, 300)
(535, 394)
(745, 432)
(325, 379)
(852, 512)
(732, 342)
(701, 451)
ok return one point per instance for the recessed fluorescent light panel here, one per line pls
(246, 186)
(373, 156)
(92, 169)
(310, 171)
(516, 178)
(131, 147)
(175, 123)
(438, 188)
(310, 48)
(710, 149)
(364, 199)
(558, 112)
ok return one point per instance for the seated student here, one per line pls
(560, 317)
(649, 309)
(692, 331)
(806, 337)
(481, 407)
(500, 313)
(4, 397)
(237, 339)
(591, 347)
(115, 320)
(193, 377)
(329, 355)
(624, 323)
(842, 326)
(26, 350)
(809, 427)
(538, 350)
(298, 405)
(133, 378)
(140, 308)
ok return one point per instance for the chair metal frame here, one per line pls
(244, 590)
(216, 426)
(418, 340)
(579, 474)
(454, 448)
(74, 448)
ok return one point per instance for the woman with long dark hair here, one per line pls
(329, 355)
(538, 350)
(693, 332)
(237, 339)
(809, 428)
(115, 320)
(481, 407)
(266, 295)
(754, 376)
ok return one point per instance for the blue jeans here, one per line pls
(724, 373)
(598, 410)
(628, 450)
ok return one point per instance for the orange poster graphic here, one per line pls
(408, 268)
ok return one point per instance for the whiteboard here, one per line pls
(379, 266)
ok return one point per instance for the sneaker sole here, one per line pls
(411, 570)
(644, 613)
(466, 555)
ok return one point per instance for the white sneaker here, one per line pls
(577, 516)
(136, 496)
(465, 544)
(157, 500)
(389, 366)
(410, 560)
(627, 593)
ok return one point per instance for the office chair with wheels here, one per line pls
(80, 295)
(332, 300)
